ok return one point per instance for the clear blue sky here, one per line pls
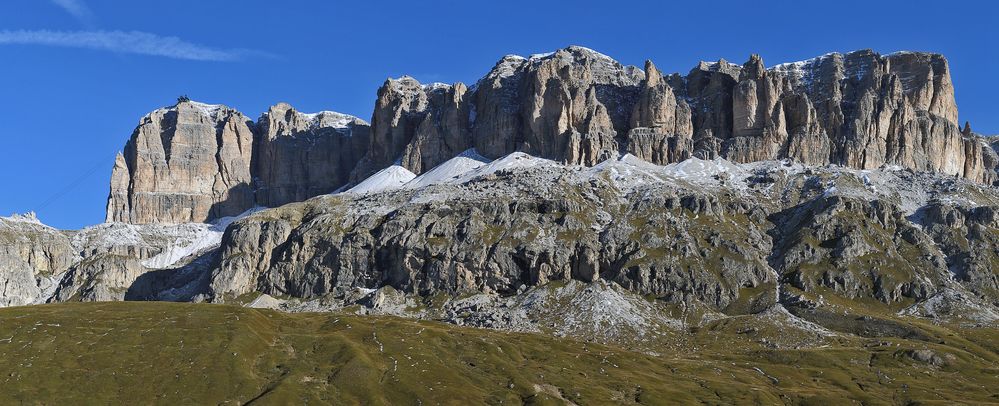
(77, 75)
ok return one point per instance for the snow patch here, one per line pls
(449, 171)
(700, 170)
(542, 55)
(210, 110)
(802, 73)
(186, 243)
(516, 160)
(435, 86)
(202, 237)
(329, 119)
(390, 178)
(173, 242)
(790, 66)
(626, 171)
(103, 237)
(577, 48)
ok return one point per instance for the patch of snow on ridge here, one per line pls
(430, 87)
(592, 52)
(514, 160)
(699, 170)
(170, 242)
(627, 171)
(210, 110)
(585, 50)
(386, 179)
(449, 171)
(543, 55)
(102, 237)
(802, 72)
(328, 118)
(198, 237)
(791, 66)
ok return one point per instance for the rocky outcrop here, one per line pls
(138, 262)
(575, 103)
(700, 234)
(32, 258)
(495, 118)
(100, 278)
(967, 237)
(709, 88)
(497, 239)
(187, 163)
(857, 249)
(444, 131)
(299, 156)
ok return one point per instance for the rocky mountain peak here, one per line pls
(652, 75)
(721, 66)
(753, 68)
(29, 217)
(188, 162)
(858, 109)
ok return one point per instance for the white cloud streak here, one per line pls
(131, 42)
(78, 10)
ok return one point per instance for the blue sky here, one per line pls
(78, 74)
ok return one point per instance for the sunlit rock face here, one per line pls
(187, 163)
(863, 110)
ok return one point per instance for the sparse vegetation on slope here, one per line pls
(140, 353)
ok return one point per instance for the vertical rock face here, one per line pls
(573, 105)
(967, 239)
(192, 162)
(196, 162)
(399, 109)
(661, 129)
(708, 87)
(417, 125)
(443, 131)
(32, 255)
(495, 115)
(860, 109)
(299, 156)
(576, 102)
(187, 163)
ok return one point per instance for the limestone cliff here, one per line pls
(860, 109)
(33, 257)
(418, 125)
(186, 163)
(196, 162)
(299, 156)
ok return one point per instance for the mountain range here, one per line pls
(564, 194)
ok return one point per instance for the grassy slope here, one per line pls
(99, 353)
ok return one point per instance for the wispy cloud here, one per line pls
(78, 9)
(132, 42)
